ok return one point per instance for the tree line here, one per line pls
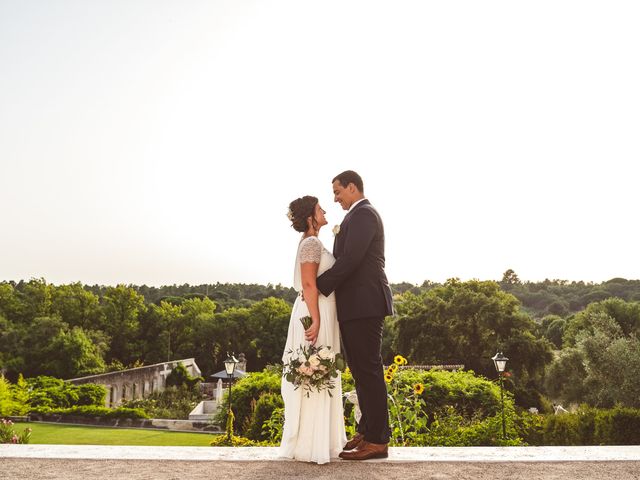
(570, 353)
(68, 330)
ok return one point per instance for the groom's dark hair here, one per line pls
(349, 176)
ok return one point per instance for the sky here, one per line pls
(160, 142)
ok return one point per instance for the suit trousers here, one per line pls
(362, 341)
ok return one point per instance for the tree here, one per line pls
(602, 369)
(39, 353)
(77, 306)
(625, 314)
(10, 306)
(269, 322)
(35, 297)
(75, 355)
(11, 348)
(467, 322)
(122, 307)
(552, 328)
(510, 278)
(179, 377)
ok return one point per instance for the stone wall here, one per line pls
(136, 382)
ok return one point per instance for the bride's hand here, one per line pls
(311, 333)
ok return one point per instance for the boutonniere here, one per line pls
(336, 230)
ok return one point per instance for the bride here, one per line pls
(313, 428)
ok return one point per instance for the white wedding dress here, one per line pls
(313, 428)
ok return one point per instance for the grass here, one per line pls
(53, 434)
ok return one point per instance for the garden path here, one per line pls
(168, 463)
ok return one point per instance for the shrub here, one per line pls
(446, 408)
(179, 376)
(92, 411)
(618, 426)
(562, 430)
(247, 390)
(55, 393)
(469, 394)
(590, 426)
(273, 426)
(530, 427)
(222, 440)
(9, 435)
(262, 413)
(51, 392)
(13, 397)
(172, 402)
(451, 429)
(91, 394)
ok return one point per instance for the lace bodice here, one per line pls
(311, 249)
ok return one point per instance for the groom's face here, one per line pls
(345, 196)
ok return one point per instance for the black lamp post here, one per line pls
(230, 367)
(500, 361)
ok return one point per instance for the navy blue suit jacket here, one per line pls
(358, 277)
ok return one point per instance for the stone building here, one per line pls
(136, 382)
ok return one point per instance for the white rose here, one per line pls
(336, 230)
(314, 361)
(325, 353)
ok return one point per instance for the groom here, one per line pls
(363, 299)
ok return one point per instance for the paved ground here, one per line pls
(168, 463)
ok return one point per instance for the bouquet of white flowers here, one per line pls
(313, 367)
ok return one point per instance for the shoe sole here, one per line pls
(377, 455)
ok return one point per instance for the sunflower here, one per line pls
(393, 368)
(388, 378)
(418, 388)
(399, 360)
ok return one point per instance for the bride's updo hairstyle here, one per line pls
(301, 209)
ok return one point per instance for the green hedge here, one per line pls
(469, 394)
(55, 393)
(92, 411)
(588, 426)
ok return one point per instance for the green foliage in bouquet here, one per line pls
(313, 367)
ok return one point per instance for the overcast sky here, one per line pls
(160, 142)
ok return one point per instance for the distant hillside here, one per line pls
(557, 297)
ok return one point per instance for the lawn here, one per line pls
(45, 433)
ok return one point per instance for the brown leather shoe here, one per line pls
(357, 439)
(367, 450)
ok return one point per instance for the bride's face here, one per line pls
(318, 214)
